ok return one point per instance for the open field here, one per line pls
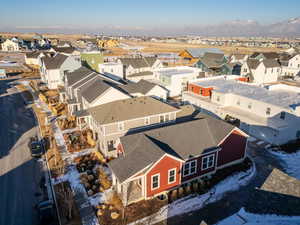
(177, 47)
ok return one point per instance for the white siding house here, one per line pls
(10, 46)
(53, 69)
(268, 113)
(293, 66)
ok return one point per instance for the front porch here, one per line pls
(132, 191)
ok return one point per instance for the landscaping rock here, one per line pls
(100, 212)
(114, 215)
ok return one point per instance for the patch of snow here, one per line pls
(260, 142)
(291, 162)
(195, 202)
(243, 217)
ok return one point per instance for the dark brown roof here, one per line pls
(54, 62)
(34, 54)
(68, 50)
(178, 140)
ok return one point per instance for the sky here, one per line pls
(138, 14)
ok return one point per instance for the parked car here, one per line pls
(36, 147)
(46, 212)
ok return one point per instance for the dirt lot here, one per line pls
(177, 47)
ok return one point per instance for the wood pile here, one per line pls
(67, 123)
(92, 175)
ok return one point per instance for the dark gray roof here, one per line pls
(182, 140)
(85, 80)
(270, 63)
(214, 56)
(78, 75)
(95, 88)
(139, 62)
(68, 50)
(253, 63)
(54, 62)
(127, 109)
(142, 86)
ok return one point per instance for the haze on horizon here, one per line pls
(167, 17)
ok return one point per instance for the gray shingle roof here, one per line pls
(54, 62)
(78, 75)
(253, 63)
(67, 50)
(282, 183)
(142, 86)
(183, 140)
(199, 52)
(139, 62)
(127, 109)
(96, 88)
(270, 63)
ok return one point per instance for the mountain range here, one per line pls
(235, 28)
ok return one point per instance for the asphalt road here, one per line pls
(19, 174)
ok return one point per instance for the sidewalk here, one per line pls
(87, 214)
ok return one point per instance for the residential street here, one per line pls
(233, 201)
(19, 174)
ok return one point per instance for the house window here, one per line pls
(110, 145)
(208, 162)
(272, 70)
(155, 181)
(147, 121)
(172, 176)
(238, 102)
(268, 111)
(167, 117)
(190, 168)
(282, 115)
(249, 105)
(121, 126)
(161, 119)
(265, 71)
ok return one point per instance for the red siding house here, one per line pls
(157, 161)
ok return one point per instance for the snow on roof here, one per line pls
(175, 71)
(280, 95)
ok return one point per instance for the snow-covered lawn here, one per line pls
(245, 218)
(195, 202)
(291, 162)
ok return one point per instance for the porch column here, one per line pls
(125, 193)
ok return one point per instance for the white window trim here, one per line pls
(213, 156)
(190, 162)
(120, 124)
(158, 186)
(175, 170)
